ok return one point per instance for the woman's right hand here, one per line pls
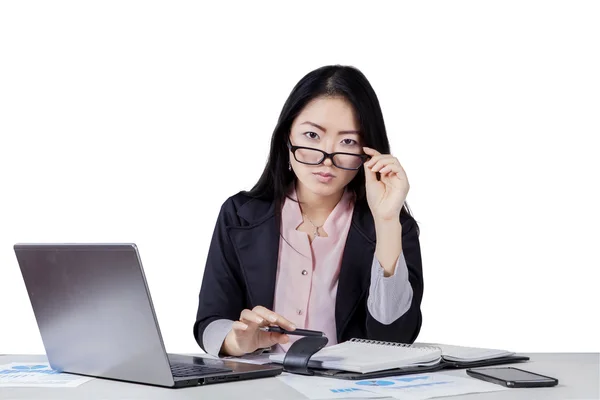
(246, 337)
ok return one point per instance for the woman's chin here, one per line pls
(324, 189)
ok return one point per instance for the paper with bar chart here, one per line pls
(409, 387)
(36, 375)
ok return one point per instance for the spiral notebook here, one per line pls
(365, 357)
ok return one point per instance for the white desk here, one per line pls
(578, 376)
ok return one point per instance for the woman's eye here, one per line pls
(349, 142)
(311, 135)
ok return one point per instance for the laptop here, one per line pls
(96, 318)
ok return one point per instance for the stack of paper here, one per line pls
(407, 387)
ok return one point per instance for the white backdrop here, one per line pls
(134, 121)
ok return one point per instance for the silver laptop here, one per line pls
(96, 318)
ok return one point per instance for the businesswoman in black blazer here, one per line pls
(330, 176)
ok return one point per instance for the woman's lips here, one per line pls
(323, 177)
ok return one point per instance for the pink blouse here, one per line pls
(307, 276)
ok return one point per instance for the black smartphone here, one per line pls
(512, 377)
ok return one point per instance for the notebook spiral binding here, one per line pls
(378, 342)
(393, 344)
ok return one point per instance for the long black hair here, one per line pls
(332, 81)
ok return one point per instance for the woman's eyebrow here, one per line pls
(347, 132)
(315, 125)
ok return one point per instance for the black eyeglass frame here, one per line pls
(363, 157)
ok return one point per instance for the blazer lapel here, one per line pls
(355, 271)
(257, 247)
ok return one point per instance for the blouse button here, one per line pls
(304, 272)
(299, 311)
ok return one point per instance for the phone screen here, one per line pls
(511, 374)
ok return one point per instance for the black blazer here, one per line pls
(241, 268)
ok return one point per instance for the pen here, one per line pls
(297, 332)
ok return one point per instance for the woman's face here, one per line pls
(328, 124)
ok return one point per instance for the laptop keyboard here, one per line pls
(182, 370)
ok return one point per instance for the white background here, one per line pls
(134, 121)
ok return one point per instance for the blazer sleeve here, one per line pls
(406, 328)
(222, 290)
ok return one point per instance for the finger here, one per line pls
(239, 327)
(384, 161)
(251, 318)
(400, 172)
(390, 168)
(265, 313)
(275, 338)
(241, 331)
(391, 180)
(285, 323)
(395, 179)
(270, 339)
(371, 152)
(281, 338)
(374, 159)
(274, 318)
(370, 176)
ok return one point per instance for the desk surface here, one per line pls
(578, 375)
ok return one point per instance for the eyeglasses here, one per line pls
(310, 156)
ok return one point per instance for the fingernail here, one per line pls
(259, 320)
(272, 318)
(244, 327)
(293, 326)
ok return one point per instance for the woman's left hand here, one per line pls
(386, 196)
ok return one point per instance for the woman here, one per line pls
(323, 241)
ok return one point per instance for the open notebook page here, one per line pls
(462, 353)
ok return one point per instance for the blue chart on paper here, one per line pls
(29, 367)
(412, 379)
(422, 385)
(344, 390)
(394, 384)
(20, 370)
(375, 383)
